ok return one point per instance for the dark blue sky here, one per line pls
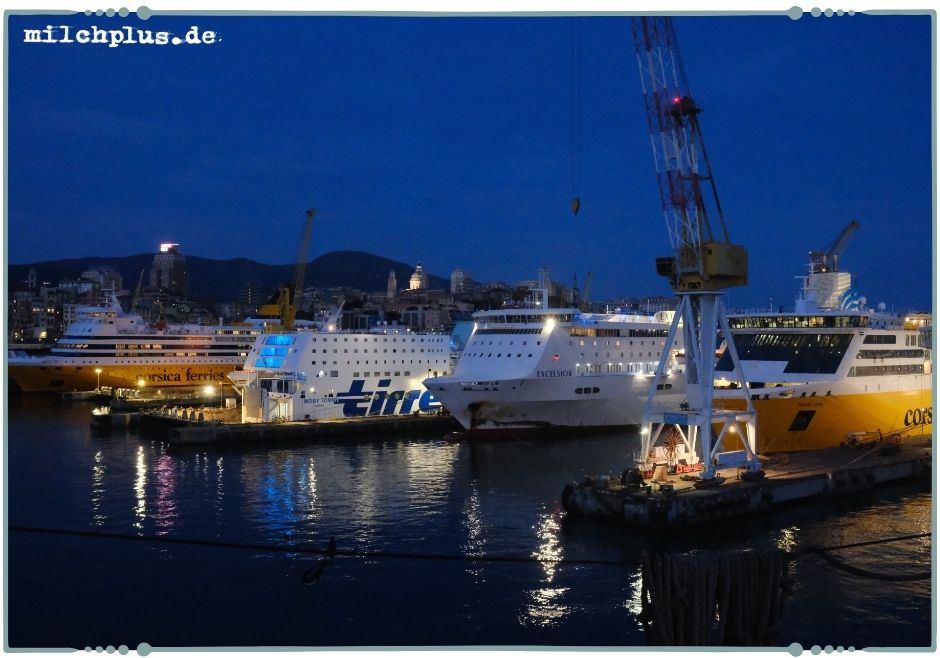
(448, 141)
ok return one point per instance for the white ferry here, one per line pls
(545, 369)
(106, 347)
(326, 374)
(833, 371)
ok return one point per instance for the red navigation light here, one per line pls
(676, 100)
(555, 357)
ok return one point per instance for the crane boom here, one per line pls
(702, 260)
(289, 307)
(828, 261)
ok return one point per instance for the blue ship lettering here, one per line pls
(359, 402)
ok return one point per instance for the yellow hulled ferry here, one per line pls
(833, 371)
(106, 347)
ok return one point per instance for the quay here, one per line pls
(195, 428)
(673, 500)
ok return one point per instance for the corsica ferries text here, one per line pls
(918, 417)
(188, 377)
(358, 402)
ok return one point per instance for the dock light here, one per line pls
(98, 372)
(141, 382)
(209, 390)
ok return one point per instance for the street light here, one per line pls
(209, 390)
(98, 372)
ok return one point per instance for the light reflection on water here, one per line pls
(414, 496)
(97, 489)
(140, 489)
(546, 604)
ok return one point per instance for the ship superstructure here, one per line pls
(535, 367)
(833, 371)
(326, 374)
(106, 347)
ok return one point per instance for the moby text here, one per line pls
(123, 36)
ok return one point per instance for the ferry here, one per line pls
(327, 374)
(106, 347)
(536, 369)
(833, 371)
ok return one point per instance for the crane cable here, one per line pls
(575, 119)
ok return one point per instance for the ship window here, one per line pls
(804, 353)
(802, 420)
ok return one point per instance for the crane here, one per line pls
(828, 261)
(704, 262)
(289, 297)
(586, 292)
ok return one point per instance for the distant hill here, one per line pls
(222, 279)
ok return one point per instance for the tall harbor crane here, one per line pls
(289, 297)
(704, 263)
(828, 261)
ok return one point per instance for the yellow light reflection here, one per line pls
(140, 489)
(788, 540)
(97, 489)
(545, 607)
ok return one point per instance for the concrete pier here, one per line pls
(179, 431)
(673, 501)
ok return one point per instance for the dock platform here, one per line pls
(179, 431)
(673, 501)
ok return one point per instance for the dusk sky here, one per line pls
(449, 141)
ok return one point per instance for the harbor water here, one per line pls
(122, 540)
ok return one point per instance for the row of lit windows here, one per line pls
(890, 354)
(617, 343)
(148, 355)
(526, 318)
(796, 321)
(880, 339)
(591, 332)
(64, 346)
(384, 339)
(348, 363)
(533, 330)
(375, 351)
(873, 371)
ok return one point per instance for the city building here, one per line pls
(169, 270)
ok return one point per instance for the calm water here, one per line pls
(404, 495)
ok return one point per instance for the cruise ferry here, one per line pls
(833, 371)
(106, 347)
(327, 374)
(536, 369)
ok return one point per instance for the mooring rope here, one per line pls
(697, 599)
(332, 550)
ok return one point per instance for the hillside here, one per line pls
(222, 279)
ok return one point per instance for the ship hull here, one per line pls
(52, 377)
(549, 405)
(788, 424)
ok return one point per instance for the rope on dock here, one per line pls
(699, 599)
